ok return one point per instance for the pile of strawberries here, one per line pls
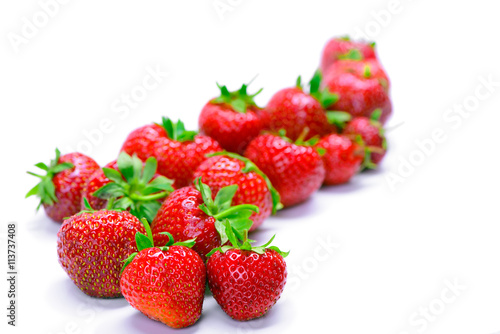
(174, 211)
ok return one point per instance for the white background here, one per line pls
(394, 248)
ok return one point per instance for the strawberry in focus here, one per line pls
(130, 185)
(254, 187)
(344, 48)
(232, 119)
(246, 281)
(91, 247)
(165, 283)
(295, 169)
(60, 190)
(178, 151)
(191, 213)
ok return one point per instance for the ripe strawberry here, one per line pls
(372, 133)
(142, 141)
(293, 109)
(246, 281)
(254, 187)
(342, 158)
(343, 48)
(191, 213)
(96, 181)
(91, 247)
(178, 152)
(166, 283)
(233, 119)
(60, 190)
(295, 169)
(362, 87)
(128, 185)
(181, 152)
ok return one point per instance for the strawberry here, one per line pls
(128, 184)
(225, 168)
(362, 87)
(191, 213)
(343, 48)
(91, 247)
(181, 152)
(165, 283)
(294, 168)
(60, 190)
(372, 133)
(342, 158)
(246, 281)
(292, 109)
(178, 152)
(233, 119)
(142, 141)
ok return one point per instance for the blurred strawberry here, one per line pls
(344, 48)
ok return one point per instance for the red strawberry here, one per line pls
(91, 247)
(178, 152)
(372, 133)
(233, 119)
(343, 48)
(342, 158)
(293, 109)
(129, 185)
(166, 283)
(60, 191)
(181, 152)
(142, 141)
(96, 181)
(246, 281)
(254, 187)
(362, 87)
(190, 213)
(295, 169)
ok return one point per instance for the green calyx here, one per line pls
(177, 131)
(146, 241)
(239, 100)
(251, 167)
(367, 72)
(133, 187)
(338, 118)
(245, 244)
(323, 96)
(353, 54)
(220, 208)
(45, 190)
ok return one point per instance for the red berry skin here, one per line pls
(180, 215)
(293, 110)
(167, 286)
(69, 185)
(245, 284)
(142, 141)
(359, 95)
(92, 246)
(233, 130)
(178, 160)
(371, 134)
(96, 181)
(221, 171)
(342, 158)
(337, 47)
(295, 171)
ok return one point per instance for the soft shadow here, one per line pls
(42, 225)
(142, 324)
(73, 295)
(298, 211)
